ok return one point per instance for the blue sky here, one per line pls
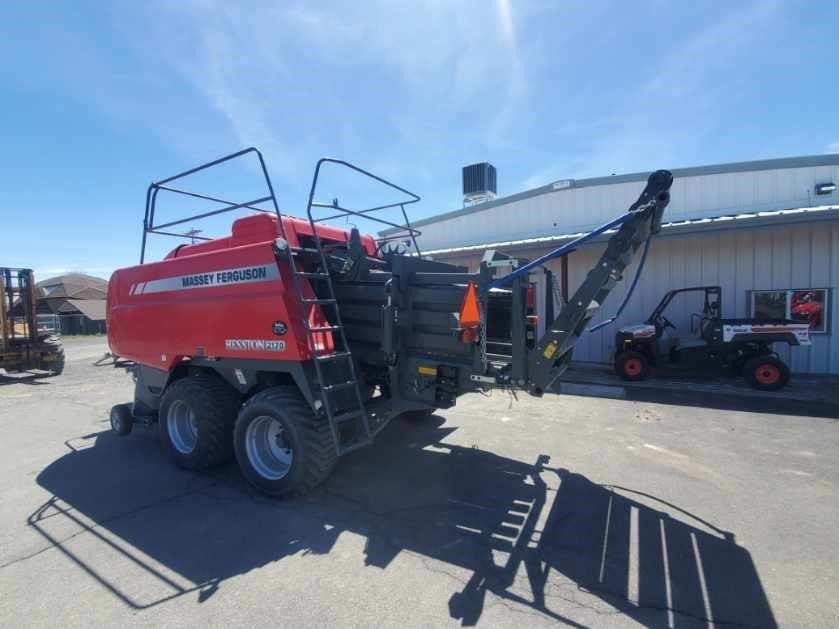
(100, 98)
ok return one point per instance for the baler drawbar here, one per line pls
(293, 341)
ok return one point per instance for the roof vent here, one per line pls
(479, 183)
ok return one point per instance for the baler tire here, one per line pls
(213, 405)
(308, 439)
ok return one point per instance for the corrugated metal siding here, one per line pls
(781, 257)
(580, 209)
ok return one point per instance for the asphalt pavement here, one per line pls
(578, 509)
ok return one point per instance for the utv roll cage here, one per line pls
(711, 308)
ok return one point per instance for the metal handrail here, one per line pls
(365, 213)
(155, 187)
(149, 226)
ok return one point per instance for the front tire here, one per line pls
(281, 447)
(196, 421)
(632, 366)
(766, 373)
(122, 420)
(56, 364)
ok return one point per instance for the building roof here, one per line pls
(93, 309)
(694, 171)
(753, 219)
(73, 286)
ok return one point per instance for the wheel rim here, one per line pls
(632, 367)
(116, 424)
(268, 448)
(767, 373)
(182, 426)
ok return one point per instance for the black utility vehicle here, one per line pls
(738, 346)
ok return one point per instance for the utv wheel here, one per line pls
(196, 421)
(766, 373)
(122, 420)
(632, 366)
(281, 447)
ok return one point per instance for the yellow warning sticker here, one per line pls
(427, 371)
(550, 350)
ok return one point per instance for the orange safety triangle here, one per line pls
(470, 314)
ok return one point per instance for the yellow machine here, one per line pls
(22, 346)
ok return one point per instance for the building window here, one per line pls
(802, 305)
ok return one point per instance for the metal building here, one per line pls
(766, 231)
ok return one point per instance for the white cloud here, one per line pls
(265, 70)
(678, 107)
(833, 147)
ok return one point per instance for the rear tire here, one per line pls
(281, 447)
(632, 366)
(196, 421)
(766, 373)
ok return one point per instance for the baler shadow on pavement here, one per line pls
(537, 537)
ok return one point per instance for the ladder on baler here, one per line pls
(335, 368)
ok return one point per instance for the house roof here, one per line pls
(753, 219)
(73, 286)
(93, 309)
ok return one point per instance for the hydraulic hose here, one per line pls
(631, 288)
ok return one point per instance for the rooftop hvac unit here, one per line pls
(479, 183)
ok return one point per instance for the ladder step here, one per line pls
(333, 356)
(347, 416)
(325, 328)
(313, 276)
(340, 386)
(319, 301)
(304, 250)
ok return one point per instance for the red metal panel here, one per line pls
(219, 298)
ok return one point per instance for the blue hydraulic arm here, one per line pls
(559, 251)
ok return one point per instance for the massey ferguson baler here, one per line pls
(291, 342)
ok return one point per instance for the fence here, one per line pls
(79, 324)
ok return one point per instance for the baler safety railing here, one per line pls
(367, 213)
(149, 226)
(154, 188)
